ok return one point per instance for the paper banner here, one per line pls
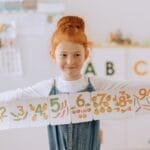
(111, 106)
(19, 114)
(75, 108)
(141, 101)
(59, 109)
(80, 104)
(4, 116)
(38, 112)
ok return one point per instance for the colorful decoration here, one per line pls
(59, 109)
(80, 107)
(74, 108)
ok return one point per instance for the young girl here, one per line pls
(69, 49)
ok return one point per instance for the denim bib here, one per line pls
(80, 136)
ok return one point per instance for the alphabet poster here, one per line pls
(109, 62)
(138, 64)
(119, 63)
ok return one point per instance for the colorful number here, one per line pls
(39, 109)
(55, 104)
(80, 101)
(2, 112)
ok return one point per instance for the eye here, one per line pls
(77, 54)
(63, 55)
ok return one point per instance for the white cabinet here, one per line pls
(138, 133)
(128, 134)
(114, 137)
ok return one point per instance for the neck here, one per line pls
(68, 78)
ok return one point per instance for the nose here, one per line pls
(70, 60)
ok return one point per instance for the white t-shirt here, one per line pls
(43, 88)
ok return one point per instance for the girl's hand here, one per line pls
(101, 136)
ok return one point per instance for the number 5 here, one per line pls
(55, 104)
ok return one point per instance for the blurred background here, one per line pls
(119, 33)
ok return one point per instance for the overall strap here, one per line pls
(53, 89)
(90, 87)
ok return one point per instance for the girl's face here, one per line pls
(70, 57)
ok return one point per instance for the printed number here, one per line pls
(143, 93)
(21, 111)
(80, 101)
(39, 109)
(55, 104)
(2, 111)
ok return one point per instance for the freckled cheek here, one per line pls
(80, 61)
(61, 66)
(60, 63)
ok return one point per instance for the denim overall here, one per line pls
(80, 136)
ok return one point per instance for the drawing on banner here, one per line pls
(18, 114)
(21, 113)
(106, 105)
(38, 111)
(2, 113)
(74, 108)
(142, 101)
(4, 116)
(59, 109)
(80, 107)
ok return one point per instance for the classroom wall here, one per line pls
(103, 16)
(32, 41)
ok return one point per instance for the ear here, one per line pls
(51, 54)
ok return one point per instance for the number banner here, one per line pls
(59, 109)
(80, 107)
(38, 112)
(141, 101)
(19, 114)
(4, 115)
(74, 108)
(108, 106)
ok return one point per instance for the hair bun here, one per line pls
(71, 22)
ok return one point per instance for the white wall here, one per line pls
(104, 16)
(33, 33)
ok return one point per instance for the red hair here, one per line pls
(71, 29)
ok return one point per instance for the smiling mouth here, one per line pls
(70, 68)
